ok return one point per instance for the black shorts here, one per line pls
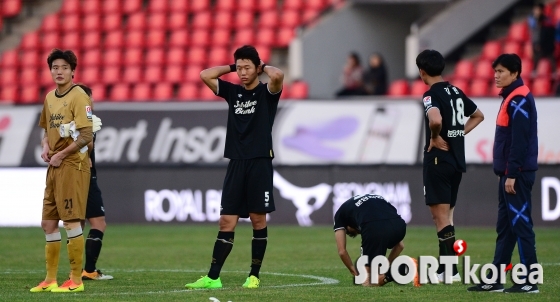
(94, 207)
(248, 187)
(380, 235)
(441, 183)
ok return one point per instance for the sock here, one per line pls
(93, 248)
(222, 247)
(75, 246)
(258, 247)
(446, 240)
(52, 255)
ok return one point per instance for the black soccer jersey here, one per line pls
(92, 158)
(454, 107)
(363, 208)
(250, 119)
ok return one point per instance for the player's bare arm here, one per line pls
(85, 137)
(435, 120)
(340, 236)
(46, 148)
(476, 118)
(210, 76)
(276, 77)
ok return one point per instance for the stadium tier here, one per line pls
(140, 50)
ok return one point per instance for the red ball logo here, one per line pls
(460, 247)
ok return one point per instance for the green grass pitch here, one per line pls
(153, 263)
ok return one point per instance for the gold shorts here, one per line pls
(66, 193)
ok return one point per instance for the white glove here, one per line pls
(96, 123)
(64, 129)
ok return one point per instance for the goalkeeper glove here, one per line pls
(96, 123)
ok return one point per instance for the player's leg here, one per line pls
(72, 184)
(519, 211)
(95, 214)
(233, 196)
(49, 223)
(260, 200)
(374, 244)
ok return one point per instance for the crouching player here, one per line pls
(379, 225)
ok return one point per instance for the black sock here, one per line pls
(258, 247)
(446, 240)
(222, 248)
(93, 248)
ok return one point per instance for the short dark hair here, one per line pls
(356, 57)
(510, 61)
(247, 52)
(431, 61)
(86, 89)
(66, 55)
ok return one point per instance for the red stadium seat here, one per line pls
(179, 6)
(491, 50)
(135, 38)
(50, 23)
(225, 5)
(9, 94)
(8, 77)
(264, 52)
(111, 75)
(231, 77)
(91, 58)
(221, 37)
(188, 92)
(479, 88)
(175, 56)
(526, 67)
(309, 15)
(518, 32)
(223, 19)
(11, 8)
(463, 85)
(31, 40)
(179, 38)
(50, 40)
(142, 92)
(202, 20)
(30, 58)
(556, 14)
(157, 21)
(464, 70)
(266, 5)
(290, 19)
(120, 92)
(71, 23)
(99, 93)
(114, 40)
(315, 4)
(133, 56)
(160, 6)
(155, 56)
(112, 7)
(269, 19)
(9, 59)
(206, 94)
(92, 23)
(163, 92)
(137, 21)
(192, 73)
(292, 5)
(91, 8)
(178, 21)
(398, 88)
(72, 41)
(418, 88)
(298, 90)
(541, 87)
(248, 5)
(111, 22)
(132, 6)
(244, 19)
(513, 47)
(30, 94)
(484, 70)
(544, 68)
(218, 56)
(153, 74)
(91, 40)
(29, 75)
(45, 78)
(88, 75)
(266, 37)
(155, 38)
(200, 37)
(494, 91)
(173, 74)
(112, 57)
(285, 36)
(197, 6)
(70, 7)
(196, 55)
(244, 37)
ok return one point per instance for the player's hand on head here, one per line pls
(438, 143)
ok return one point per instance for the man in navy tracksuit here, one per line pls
(515, 162)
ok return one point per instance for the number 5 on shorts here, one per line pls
(266, 198)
